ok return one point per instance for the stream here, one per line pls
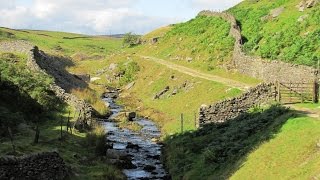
(143, 153)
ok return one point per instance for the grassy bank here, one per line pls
(292, 153)
(76, 149)
(262, 145)
(28, 104)
(283, 37)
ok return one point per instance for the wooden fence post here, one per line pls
(278, 92)
(68, 123)
(315, 92)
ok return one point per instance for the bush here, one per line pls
(128, 70)
(130, 40)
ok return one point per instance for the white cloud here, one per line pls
(215, 4)
(92, 17)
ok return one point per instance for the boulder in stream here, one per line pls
(131, 115)
(149, 168)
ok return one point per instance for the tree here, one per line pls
(130, 40)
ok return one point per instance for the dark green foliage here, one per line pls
(24, 95)
(15, 107)
(96, 140)
(216, 150)
(6, 35)
(37, 85)
(128, 72)
(130, 40)
(283, 37)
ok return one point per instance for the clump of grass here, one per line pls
(90, 96)
(125, 123)
(97, 139)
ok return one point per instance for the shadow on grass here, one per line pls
(216, 151)
(56, 67)
(21, 113)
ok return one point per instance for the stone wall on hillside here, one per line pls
(36, 57)
(267, 70)
(231, 108)
(42, 166)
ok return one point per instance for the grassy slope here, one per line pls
(82, 48)
(186, 101)
(152, 78)
(65, 43)
(293, 153)
(268, 147)
(50, 132)
(283, 37)
(204, 39)
(91, 168)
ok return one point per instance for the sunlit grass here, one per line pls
(91, 97)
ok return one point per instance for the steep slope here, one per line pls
(203, 41)
(287, 30)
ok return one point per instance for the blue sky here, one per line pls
(102, 16)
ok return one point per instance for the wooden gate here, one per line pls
(290, 93)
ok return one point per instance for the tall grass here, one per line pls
(92, 97)
(97, 139)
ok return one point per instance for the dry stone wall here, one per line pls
(42, 166)
(36, 57)
(232, 108)
(266, 70)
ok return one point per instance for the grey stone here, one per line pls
(276, 12)
(161, 93)
(131, 116)
(113, 66)
(129, 86)
(302, 18)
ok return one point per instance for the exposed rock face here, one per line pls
(161, 93)
(231, 108)
(42, 166)
(276, 12)
(306, 4)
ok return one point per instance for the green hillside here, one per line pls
(202, 43)
(292, 36)
(269, 142)
(62, 43)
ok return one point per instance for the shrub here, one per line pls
(128, 71)
(130, 40)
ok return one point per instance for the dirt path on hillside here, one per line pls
(313, 113)
(195, 73)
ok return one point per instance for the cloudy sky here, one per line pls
(102, 16)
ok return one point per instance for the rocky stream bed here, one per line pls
(136, 152)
